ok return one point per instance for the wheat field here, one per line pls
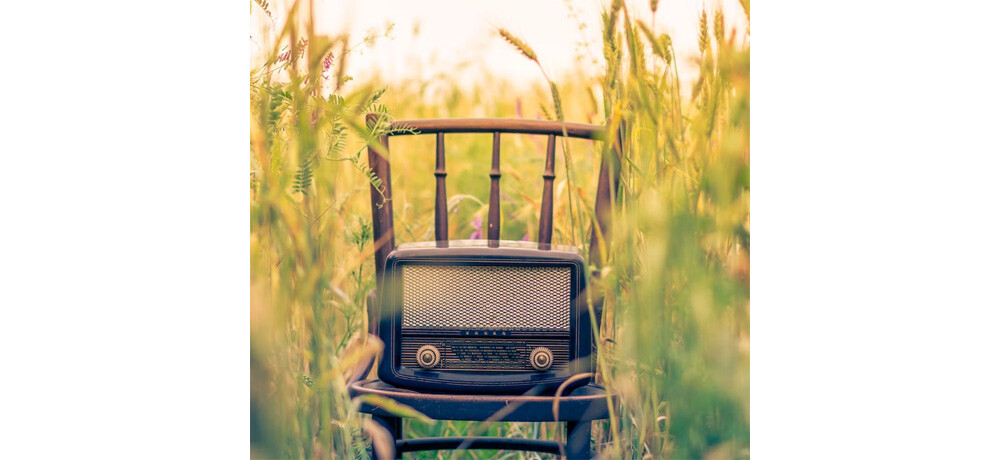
(674, 340)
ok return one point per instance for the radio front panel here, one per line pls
(483, 319)
(488, 353)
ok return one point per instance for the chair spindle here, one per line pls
(441, 203)
(493, 224)
(545, 220)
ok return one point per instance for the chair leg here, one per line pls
(394, 425)
(578, 440)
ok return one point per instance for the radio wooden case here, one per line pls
(482, 316)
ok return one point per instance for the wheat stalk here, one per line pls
(660, 46)
(612, 19)
(720, 28)
(703, 32)
(530, 54)
(519, 44)
(557, 102)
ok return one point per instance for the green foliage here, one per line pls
(674, 338)
(303, 177)
(675, 326)
(680, 291)
(307, 296)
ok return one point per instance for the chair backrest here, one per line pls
(381, 198)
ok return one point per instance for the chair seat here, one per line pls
(588, 402)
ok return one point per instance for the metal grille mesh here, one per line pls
(486, 297)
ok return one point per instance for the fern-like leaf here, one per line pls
(338, 139)
(303, 176)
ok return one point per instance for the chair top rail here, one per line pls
(503, 125)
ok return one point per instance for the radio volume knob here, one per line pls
(541, 358)
(428, 357)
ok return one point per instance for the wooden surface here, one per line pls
(545, 219)
(503, 125)
(588, 402)
(493, 222)
(607, 183)
(423, 444)
(441, 197)
(382, 225)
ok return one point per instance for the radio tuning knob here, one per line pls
(428, 357)
(541, 358)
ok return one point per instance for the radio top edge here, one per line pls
(489, 244)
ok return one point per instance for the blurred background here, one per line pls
(458, 38)
(671, 77)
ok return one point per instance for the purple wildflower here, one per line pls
(477, 223)
(327, 62)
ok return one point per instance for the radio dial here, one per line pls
(541, 358)
(428, 357)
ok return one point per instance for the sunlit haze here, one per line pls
(459, 37)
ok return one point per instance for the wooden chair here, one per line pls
(577, 408)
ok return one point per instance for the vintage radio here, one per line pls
(482, 316)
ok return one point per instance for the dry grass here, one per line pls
(676, 322)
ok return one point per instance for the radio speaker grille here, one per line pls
(503, 297)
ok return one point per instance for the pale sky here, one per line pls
(452, 32)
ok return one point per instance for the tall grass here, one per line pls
(674, 336)
(678, 324)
